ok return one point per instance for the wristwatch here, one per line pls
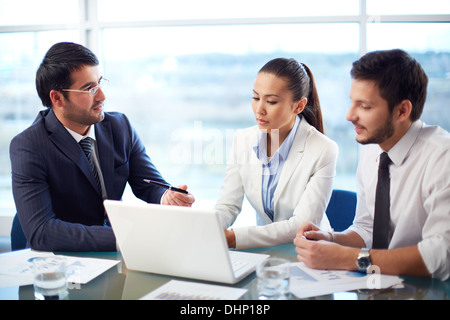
(363, 261)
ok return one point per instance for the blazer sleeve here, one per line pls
(33, 201)
(229, 204)
(132, 164)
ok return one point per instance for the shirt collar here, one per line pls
(78, 137)
(400, 150)
(260, 148)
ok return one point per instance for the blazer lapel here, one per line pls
(105, 148)
(256, 178)
(294, 157)
(67, 144)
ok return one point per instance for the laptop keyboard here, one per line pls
(238, 265)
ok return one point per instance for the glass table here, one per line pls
(119, 283)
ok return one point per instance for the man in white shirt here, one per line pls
(388, 93)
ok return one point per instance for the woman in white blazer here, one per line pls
(285, 165)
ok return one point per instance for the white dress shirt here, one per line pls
(419, 193)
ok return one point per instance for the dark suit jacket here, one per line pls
(55, 193)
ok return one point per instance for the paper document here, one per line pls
(184, 290)
(306, 282)
(16, 268)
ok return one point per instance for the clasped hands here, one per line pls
(315, 248)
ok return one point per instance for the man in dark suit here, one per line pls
(58, 188)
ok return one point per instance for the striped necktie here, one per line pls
(86, 145)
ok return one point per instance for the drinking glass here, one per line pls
(273, 279)
(50, 282)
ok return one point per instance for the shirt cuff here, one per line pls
(435, 255)
(364, 234)
(160, 201)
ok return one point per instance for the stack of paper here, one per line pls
(16, 268)
(306, 282)
(185, 290)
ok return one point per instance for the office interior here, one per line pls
(183, 71)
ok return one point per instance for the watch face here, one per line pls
(363, 263)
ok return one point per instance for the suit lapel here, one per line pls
(256, 178)
(294, 157)
(105, 148)
(62, 139)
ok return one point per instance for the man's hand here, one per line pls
(314, 247)
(311, 232)
(315, 254)
(173, 198)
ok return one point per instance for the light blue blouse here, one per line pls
(272, 166)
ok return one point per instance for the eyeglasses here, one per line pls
(92, 91)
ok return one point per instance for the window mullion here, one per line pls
(89, 24)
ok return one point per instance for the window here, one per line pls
(42, 12)
(183, 71)
(198, 81)
(407, 7)
(115, 10)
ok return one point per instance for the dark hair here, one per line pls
(301, 83)
(59, 62)
(398, 77)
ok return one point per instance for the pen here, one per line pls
(160, 184)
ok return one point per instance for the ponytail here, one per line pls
(312, 111)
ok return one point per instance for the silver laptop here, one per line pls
(177, 241)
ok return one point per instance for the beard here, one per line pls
(380, 134)
(84, 117)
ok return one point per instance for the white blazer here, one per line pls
(302, 194)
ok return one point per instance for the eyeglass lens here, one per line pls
(102, 84)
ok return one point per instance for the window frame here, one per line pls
(90, 27)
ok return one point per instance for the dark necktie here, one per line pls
(382, 205)
(86, 144)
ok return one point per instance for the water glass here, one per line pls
(273, 279)
(50, 282)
